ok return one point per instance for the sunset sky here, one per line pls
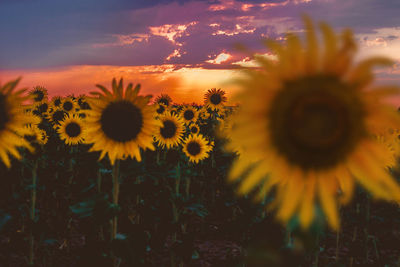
(182, 48)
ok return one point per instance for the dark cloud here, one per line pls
(48, 33)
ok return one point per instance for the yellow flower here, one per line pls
(69, 105)
(164, 99)
(120, 122)
(13, 118)
(189, 114)
(196, 147)
(72, 130)
(171, 131)
(160, 109)
(39, 94)
(194, 129)
(215, 99)
(307, 127)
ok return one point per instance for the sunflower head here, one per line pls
(189, 114)
(215, 98)
(164, 99)
(56, 101)
(196, 147)
(72, 130)
(160, 109)
(171, 131)
(120, 122)
(39, 94)
(194, 129)
(69, 105)
(307, 127)
(56, 116)
(13, 121)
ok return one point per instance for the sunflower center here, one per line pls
(4, 116)
(68, 105)
(57, 102)
(160, 110)
(169, 129)
(164, 101)
(193, 148)
(43, 107)
(188, 115)
(316, 121)
(121, 121)
(193, 129)
(215, 99)
(73, 129)
(58, 116)
(39, 95)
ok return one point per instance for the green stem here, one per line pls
(32, 213)
(115, 191)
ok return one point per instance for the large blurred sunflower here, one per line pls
(120, 122)
(72, 130)
(171, 131)
(196, 147)
(307, 127)
(215, 99)
(13, 118)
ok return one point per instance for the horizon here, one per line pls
(179, 48)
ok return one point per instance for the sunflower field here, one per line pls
(302, 172)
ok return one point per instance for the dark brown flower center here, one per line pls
(58, 116)
(121, 121)
(67, 106)
(188, 115)
(316, 121)
(4, 116)
(193, 148)
(215, 99)
(73, 129)
(194, 129)
(161, 110)
(169, 129)
(164, 101)
(57, 102)
(39, 95)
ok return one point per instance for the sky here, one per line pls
(182, 48)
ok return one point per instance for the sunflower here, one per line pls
(13, 118)
(82, 102)
(39, 94)
(72, 130)
(56, 101)
(41, 109)
(56, 116)
(35, 135)
(196, 147)
(160, 109)
(307, 127)
(215, 99)
(194, 129)
(69, 105)
(171, 131)
(189, 114)
(164, 99)
(120, 123)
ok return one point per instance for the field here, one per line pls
(62, 206)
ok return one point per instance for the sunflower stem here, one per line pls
(137, 219)
(115, 178)
(32, 213)
(99, 179)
